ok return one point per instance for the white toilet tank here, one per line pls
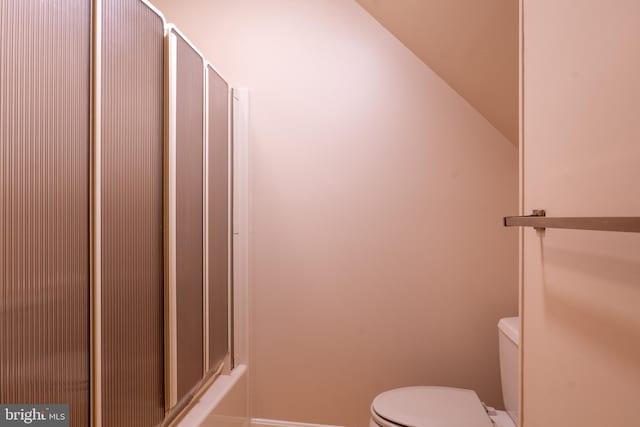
(509, 341)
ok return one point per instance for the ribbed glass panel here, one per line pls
(132, 263)
(189, 230)
(218, 218)
(44, 203)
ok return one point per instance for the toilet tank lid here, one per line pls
(510, 326)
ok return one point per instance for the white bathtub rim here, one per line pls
(211, 398)
(262, 422)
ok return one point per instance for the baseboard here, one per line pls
(261, 422)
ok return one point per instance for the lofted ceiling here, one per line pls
(471, 44)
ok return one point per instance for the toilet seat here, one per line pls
(426, 406)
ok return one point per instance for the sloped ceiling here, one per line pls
(471, 44)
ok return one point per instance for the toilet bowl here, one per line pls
(430, 406)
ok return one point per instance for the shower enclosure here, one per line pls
(114, 212)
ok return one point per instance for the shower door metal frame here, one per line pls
(170, 332)
(95, 223)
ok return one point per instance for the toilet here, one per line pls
(429, 406)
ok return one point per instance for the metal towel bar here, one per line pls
(540, 221)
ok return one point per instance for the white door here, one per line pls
(581, 158)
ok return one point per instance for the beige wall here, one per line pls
(378, 256)
(581, 361)
(471, 44)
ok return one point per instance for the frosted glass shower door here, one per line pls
(218, 212)
(185, 218)
(44, 203)
(132, 259)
